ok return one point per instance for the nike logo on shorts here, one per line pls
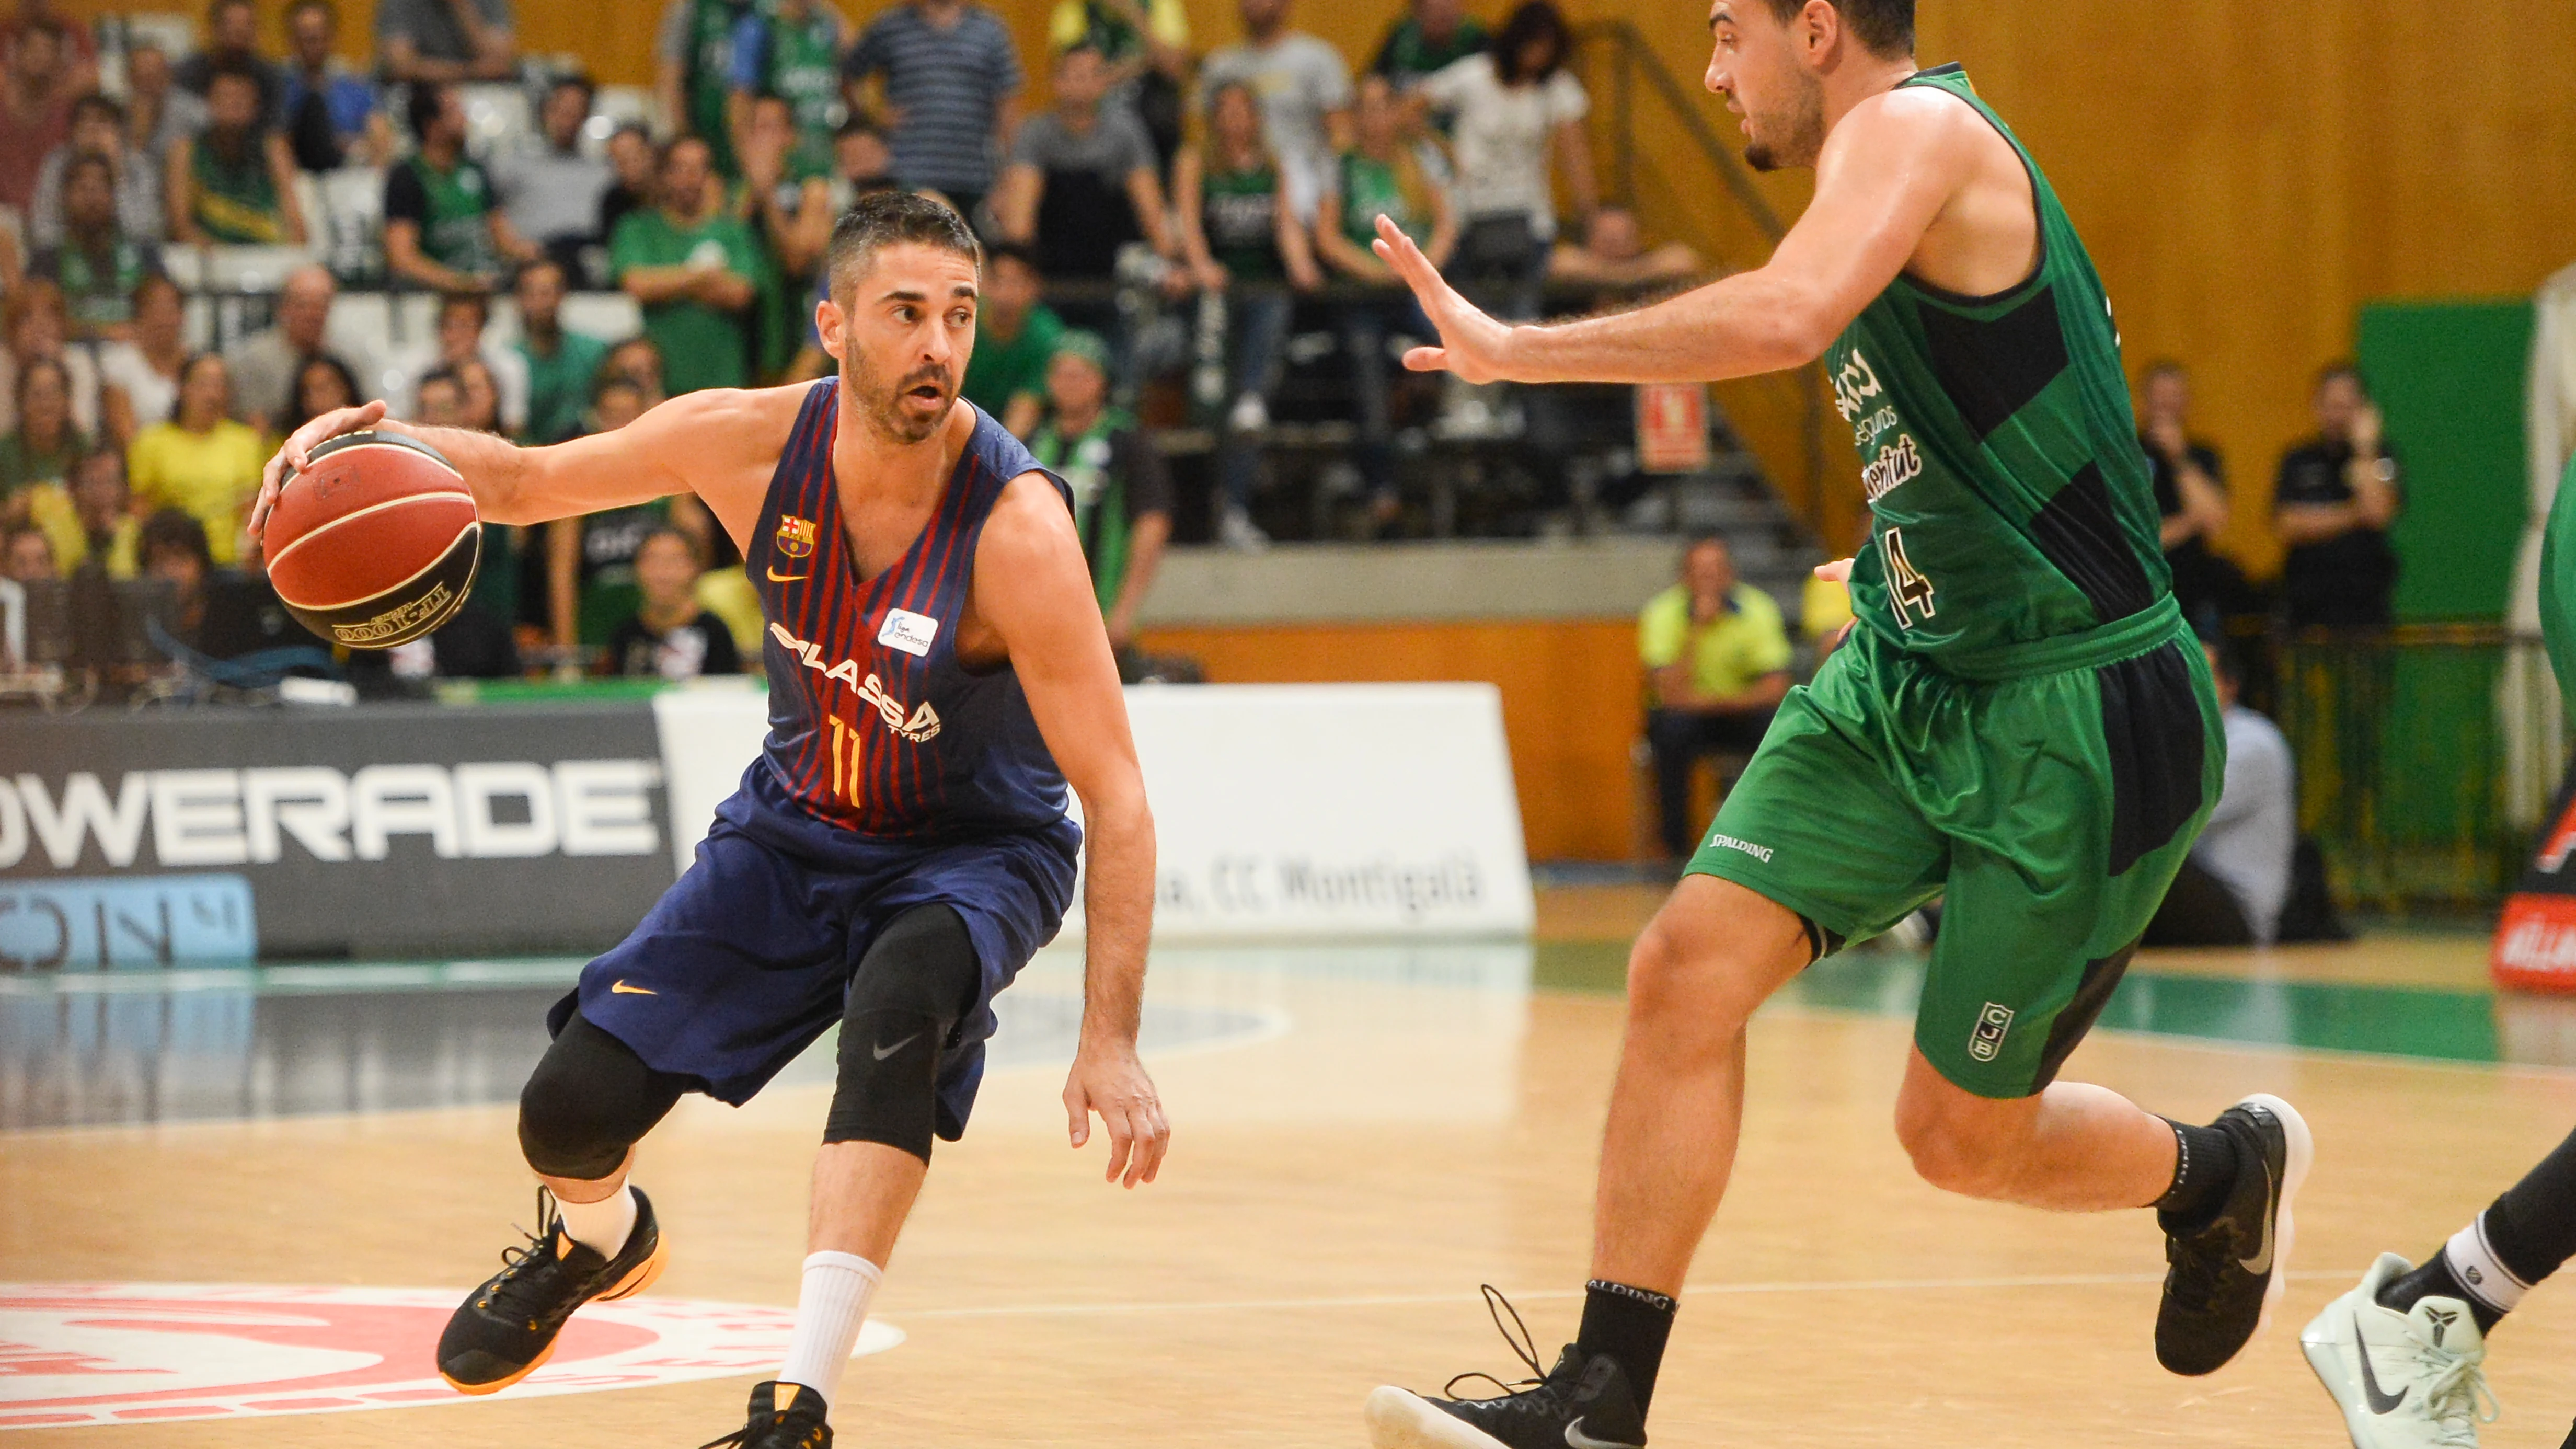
(622, 989)
(883, 1052)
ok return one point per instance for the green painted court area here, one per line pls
(2400, 1021)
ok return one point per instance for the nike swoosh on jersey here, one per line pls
(1575, 1437)
(2380, 1403)
(883, 1052)
(622, 989)
(776, 577)
(2261, 1262)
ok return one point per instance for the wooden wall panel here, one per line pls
(1571, 703)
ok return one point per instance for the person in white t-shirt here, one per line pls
(1516, 122)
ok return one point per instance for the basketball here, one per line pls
(374, 542)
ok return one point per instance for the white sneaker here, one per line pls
(1250, 415)
(2409, 1380)
(1236, 530)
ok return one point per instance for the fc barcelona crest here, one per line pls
(796, 537)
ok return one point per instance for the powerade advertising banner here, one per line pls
(151, 839)
(1282, 812)
(2535, 940)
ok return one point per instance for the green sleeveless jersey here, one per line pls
(236, 198)
(458, 233)
(706, 76)
(1239, 215)
(804, 66)
(2014, 524)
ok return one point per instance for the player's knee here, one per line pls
(590, 1100)
(888, 1090)
(1680, 983)
(1963, 1147)
(905, 1000)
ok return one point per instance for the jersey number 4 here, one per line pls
(1908, 592)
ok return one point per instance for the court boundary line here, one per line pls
(1692, 1290)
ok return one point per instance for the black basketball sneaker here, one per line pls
(1582, 1403)
(504, 1331)
(796, 1425)
(2221, 1281)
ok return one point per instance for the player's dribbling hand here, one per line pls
(291, 454)
(1110, 1080)
(1471, 343)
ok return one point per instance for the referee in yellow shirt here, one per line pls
(1717, 665)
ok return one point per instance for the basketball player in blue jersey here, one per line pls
(938, 673)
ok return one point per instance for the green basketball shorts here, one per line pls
(2053, 808)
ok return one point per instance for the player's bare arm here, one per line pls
(1907, 180)
(1033, 598)
(721, 444)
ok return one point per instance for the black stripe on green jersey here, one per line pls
(2012, 506)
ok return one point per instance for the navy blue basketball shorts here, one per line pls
(749, 957)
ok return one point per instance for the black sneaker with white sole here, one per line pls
(2222, 1280)
(1583, 1403)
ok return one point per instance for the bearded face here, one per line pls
(906, 409)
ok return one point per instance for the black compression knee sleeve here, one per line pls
(2532, 1228)
(589, 1100)
(911, 988)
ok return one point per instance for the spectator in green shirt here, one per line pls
(694, 271)
(1015, 339)
(1717, 666)
(444, 228)
(560, 363)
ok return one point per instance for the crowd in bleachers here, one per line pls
(203, 243)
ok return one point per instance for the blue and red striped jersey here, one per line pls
(874, 725)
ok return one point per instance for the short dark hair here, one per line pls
(422, 110)
(330, 12)
(442, 374)
(1011, 251)
(218, 7)
(858, 125)
(1534, 20)
(482, 305)
(665, 530)
(882, 219)
(1886, 27)
(578, 80)
(2340, 368)
(172, 529)
(234, 67)
(2164, 367)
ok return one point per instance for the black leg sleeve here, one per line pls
(912, 987)
(589, 1100)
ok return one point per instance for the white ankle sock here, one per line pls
(602, 1226)
(829, 1309)
(2480, 1271)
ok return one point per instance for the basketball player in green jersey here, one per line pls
(2020, 718)
(2404, 1353)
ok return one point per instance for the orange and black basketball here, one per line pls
(374, 542)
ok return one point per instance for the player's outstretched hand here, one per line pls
(1471, 343)
(1109, 1080)
(291, 453)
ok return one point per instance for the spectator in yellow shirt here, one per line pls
(94, 518)
(1717, 666)
(201, 462)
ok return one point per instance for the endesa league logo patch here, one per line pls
(126, 1353)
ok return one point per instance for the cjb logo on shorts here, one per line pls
(1987, 1041)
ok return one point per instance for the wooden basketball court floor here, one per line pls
(1363, 1134)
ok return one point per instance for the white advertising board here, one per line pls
(1281, 811)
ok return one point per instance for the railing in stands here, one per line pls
(1663, 157)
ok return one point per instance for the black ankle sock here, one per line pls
(2204, 1173)
(2532, 1228)
(1631, 1325)
(2436, 1280)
